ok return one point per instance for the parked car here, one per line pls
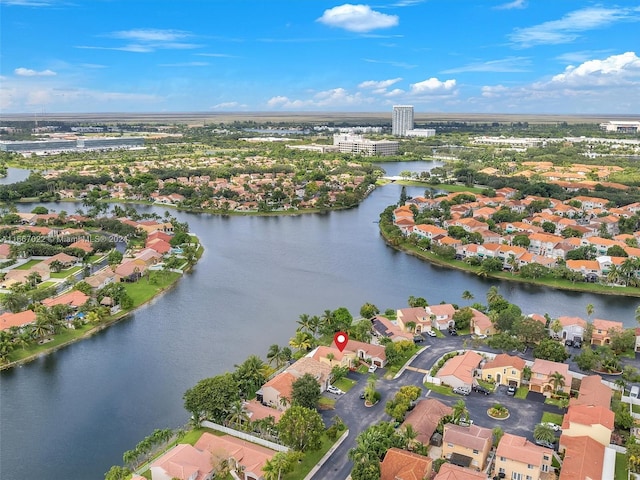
(568, 343)
(431, 333)
(462, 390)
(418, 339)
(334, 390)
(453, 333)
(577, 344)
(362, 395)
(544, 443)
(481, 389)
(373, 368)
(511, 390)
(555, 427)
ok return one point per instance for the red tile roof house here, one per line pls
(257, 411)
(159, 246)
(20, 319)
(602, 331)
(504, 369)
(459, 371)
(517, 455)
(402, 465)
(583, 458)
(593, 421)
(5, 251)
(183, 462)
(443, 315)
(454, 472)
(366, 351)
(66, 260)
(541, 372)
(345, 358)
(467, 446)
(277, 391)
(383, 327)
(481, 324)
(572, 328)
(592, 392)
(425, 417)
(246, 459)
(74, 299)
(417, 315)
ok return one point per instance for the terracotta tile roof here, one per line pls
(386, 327)
(319, 370)
(282, 383)
(461, 367)
(583, 458)
(588, 415)
(593, 392)
(369, 349)
(441, 310)
(519, 449)
(605, 325)
(505, 360)
(8, 319)
(448, 471)
(322, 352)
(75, 298)
(568, 321)
(258, 411)
(402, 465)
(481, 320)
(424, 418)
(60, 257)
(185, 463)
(251, 456)
(83, 245)
(547, 367)
(473, 437)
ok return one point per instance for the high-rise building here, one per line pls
(402, 120)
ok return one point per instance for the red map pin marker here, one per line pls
(341, 339)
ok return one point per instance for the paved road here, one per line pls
(524, 415)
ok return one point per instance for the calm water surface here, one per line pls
(72, 414)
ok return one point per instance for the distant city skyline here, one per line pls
(488, 56)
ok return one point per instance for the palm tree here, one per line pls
(497, 435)
(273, 355)
(557, 380)
(409, 434)
(556, 326)
(237, 415)
(459, 412)
(301, 341)
(330, 357)
(305, 323)
(544, 433)
(467, 295)
(250, 375)
(590, 308)
(493, 294)
(280, 463)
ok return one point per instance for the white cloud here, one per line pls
(146, 40)
(150, 35)
(512, 5)
(184, 64)
(27, 72)
(377, 85)
(580, 56)
(357, 18)
(229, 106)
(326, 99)
(432, 86)
(509, 64)
(392, 63)
(614, 70)
(569, 27)
(27, 3)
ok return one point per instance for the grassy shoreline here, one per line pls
(145, 294)
(544, 282)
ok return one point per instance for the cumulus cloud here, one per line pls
(432, 86)
(332, 98)
(613, 70)
(357, 18)
(569, 27)
(228, 106)
(27, 72)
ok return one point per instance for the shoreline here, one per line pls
(97, 328)
(528, 281)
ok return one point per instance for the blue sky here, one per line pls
(512, 56)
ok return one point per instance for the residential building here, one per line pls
(401, 120)
(504, 369)
(481, 324)
(441, 315)
(425, 417)
(277, 392)
(414, 319)
(333, 356)
(383, 327)
(594, 421)
(460, 370)
(543, 373)
(183, 462)
(449, 471)
(583, 458)
(602, 330)
(20, 319)
(372, 354)
(403, 465)
(519, 459)
(592, 392)
(467, 446)
(572, 328)
(74, 299)
(318, 370)
(246, 459)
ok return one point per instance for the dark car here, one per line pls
(481, 389)
(453, 333)
(546, 444)
(568, 343)
(418, 339)
(577, 344)
(511, 390)
(362, 396)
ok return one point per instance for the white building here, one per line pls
(359, 145)
(620, 127)
(402, 120)
(421, 132)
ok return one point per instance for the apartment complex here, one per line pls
(402, 120)
(359, 145)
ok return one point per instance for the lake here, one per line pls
(73, 413)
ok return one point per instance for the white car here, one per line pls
(431, 333)
(555, 427)
(373, 368)
(334, 390)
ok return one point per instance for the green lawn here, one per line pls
(439, 334)
(28, 265)
(143, 291)
(552, 417)
(309, 461)
(44, 285)
(521, 392)
(441, 389)
(344, 384)
(59, 339)
(554, 462)
(65, 273)
(621, 466)
(554, 401)
(404, 358)
(94, 258)
(488, 385)
(362, 369)
(635, 408)
(326, 403)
